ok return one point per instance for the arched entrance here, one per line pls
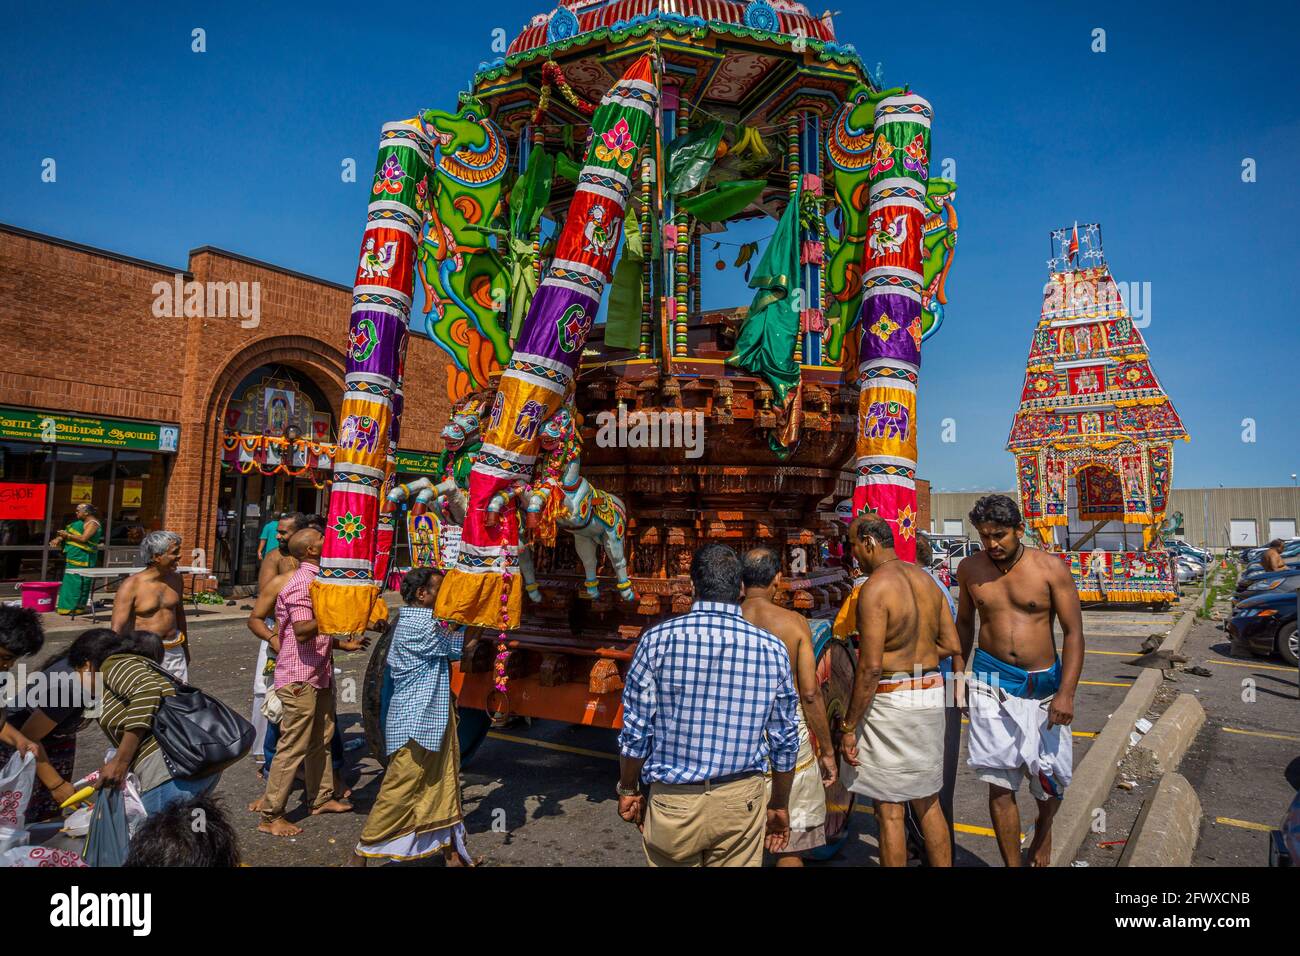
(261, 480)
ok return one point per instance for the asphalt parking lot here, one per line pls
(543, 794)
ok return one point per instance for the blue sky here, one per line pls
(161, 149)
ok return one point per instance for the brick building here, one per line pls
(112, 395)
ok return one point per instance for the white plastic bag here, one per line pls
(136, 814)
(17, 781)
(272, 707)
(43, 856)
(11, 837)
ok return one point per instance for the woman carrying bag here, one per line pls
(134, 689)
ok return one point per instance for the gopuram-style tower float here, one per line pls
(1094, 434)
(600, 154)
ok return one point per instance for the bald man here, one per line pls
(760, 571)
(304, 682)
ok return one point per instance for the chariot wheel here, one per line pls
(471, 725)
(836, 663)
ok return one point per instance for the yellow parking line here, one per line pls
(1258, 733)
(1132, 653)
(1244, 824)
(584, 752)
(860, 807)
(1106, 683)
(1262, 667)
(547, 745)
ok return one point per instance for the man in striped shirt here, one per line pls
(304, 682)
(708, 701)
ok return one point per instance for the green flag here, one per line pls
(623, 319)
(765, 345)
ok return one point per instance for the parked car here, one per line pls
(1182, 547)
(1284, 842)
(1254, 555)
(950, 550)
(1187, 570)
(1266, 624)
(1254, 574)
(1279, 583)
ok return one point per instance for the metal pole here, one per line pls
(49, 513)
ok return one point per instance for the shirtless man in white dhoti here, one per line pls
(760, 570)
(153, 600)
(894, 728)
(1020, 693)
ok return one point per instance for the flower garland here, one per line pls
(552, 75)
(553, 467)
(255, 445)
(501, 681)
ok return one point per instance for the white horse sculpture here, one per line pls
(561, 498)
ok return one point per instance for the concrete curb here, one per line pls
(1168, 826)
(1161, 750)
(1096, 772)
(1095, 775)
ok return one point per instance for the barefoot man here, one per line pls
(277, 565)
(894, 729)
(760, 570)
(152, 600)
(304, 682)
(1020, 693)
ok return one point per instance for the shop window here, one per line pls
(137, 497)
(24, 489)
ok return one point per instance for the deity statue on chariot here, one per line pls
(610, 143)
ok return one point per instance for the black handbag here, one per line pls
(198, 734)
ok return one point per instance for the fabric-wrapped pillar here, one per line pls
(346, 594)
(483, 589)
(890, 348)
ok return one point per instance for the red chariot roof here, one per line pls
(793, 18)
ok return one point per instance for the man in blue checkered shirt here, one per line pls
(708, 704)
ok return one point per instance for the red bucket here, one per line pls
(39, 595)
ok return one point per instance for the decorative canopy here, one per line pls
(585, 16)
(1091, 408)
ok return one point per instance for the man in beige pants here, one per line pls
(304, 682)
(707, 701)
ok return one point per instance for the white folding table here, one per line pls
(110, 575)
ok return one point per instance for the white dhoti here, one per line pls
(900, 742)
(1010, 740)
(175, 663)
(807, 796)
(261, 686)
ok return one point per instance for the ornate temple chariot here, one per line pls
(598, 156)
(1093, 436)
